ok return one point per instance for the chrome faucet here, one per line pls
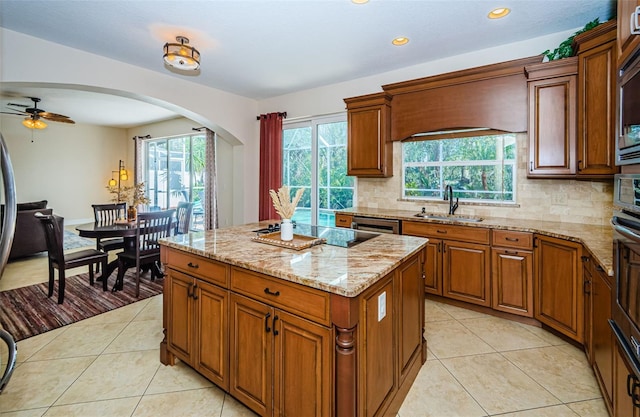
(448, 195)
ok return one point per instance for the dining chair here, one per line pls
(145, 251)
(52, 225)
(108, 213)
(183, 214)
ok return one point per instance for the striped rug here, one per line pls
(27, 311)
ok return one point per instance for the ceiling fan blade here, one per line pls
(17, 114)
(18, 105)
(48, 115)
(59, 119)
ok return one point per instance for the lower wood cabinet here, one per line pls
(278, 361)
(197, 325)
(623, 389)
(558, 286)
(458, 261)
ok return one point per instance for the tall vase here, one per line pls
(286, 230)
(132, 213)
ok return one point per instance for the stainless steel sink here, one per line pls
(449, 217)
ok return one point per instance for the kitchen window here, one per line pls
(480, 168)
(315, 158)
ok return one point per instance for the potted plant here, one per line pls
(133, 195)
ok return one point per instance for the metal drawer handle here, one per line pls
(511, 239)
(267, 291)
(192, 265)
(275, 331)
(266, 323)
(441, 231)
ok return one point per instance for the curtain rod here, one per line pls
(281, 114)
(142, 137)
(198, 129)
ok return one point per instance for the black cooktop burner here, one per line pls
(335, 236)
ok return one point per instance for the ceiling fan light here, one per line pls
(29, 123)
(181, 56)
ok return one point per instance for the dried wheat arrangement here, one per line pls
(282, 202)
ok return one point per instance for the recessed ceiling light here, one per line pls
(400, 41)
(498, 13)
(359, 1)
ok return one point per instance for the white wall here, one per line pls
(69, 166)
(231, 116)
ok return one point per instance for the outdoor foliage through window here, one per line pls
(478, 168)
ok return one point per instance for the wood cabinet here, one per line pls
(552, 118)
(344, 220)
(623, 404)
(369, 146)
(280, 364)
(626, 42)
(558, 285)
(462, 255)
(596, 51)
(512, 272)
(197, 325)
(598, 337)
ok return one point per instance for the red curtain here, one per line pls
(270, 162)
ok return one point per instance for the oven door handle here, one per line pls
(625, 347)
(624, 230)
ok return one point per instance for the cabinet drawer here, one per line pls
(198, 266)
(343, 220)
(445, 231)
(297, 299)
(511, 239)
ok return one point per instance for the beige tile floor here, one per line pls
(108, 365)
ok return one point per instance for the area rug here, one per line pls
(73, 241)
(27, 311)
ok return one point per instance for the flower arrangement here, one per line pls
(133, 195)
(282, 202)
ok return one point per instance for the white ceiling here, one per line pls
(266, 48)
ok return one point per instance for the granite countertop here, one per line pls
(597, 239)
(343, 271)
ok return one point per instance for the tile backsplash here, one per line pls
(589, 202)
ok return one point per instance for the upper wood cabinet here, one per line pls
(596, 101)
(552, 118)
(627, 42)
(369, 146)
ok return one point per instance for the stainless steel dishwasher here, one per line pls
(373, 224)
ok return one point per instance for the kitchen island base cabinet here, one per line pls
(285, 349)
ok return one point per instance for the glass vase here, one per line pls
(132, 213)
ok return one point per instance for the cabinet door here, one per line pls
(369, 147)
(433, 267)
(587, 285)
(602, 336)
(552, 126)
(211, 335)
(623, 405)
(251, 353)
(378, 357)
(512, 281)
(626, 41)
(410, 290)
(303, 364)
(179, 323)
(558, 287)
(597, 112)
(466, 272)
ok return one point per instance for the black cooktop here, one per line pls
(336, 236)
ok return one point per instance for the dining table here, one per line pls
(125, 230)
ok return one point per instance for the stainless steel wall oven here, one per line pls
(625, 320)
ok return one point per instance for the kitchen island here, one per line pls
(321, 331)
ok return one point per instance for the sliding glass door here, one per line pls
(315, 159)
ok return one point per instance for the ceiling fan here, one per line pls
(34, 115)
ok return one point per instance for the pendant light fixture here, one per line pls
(181, 56)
